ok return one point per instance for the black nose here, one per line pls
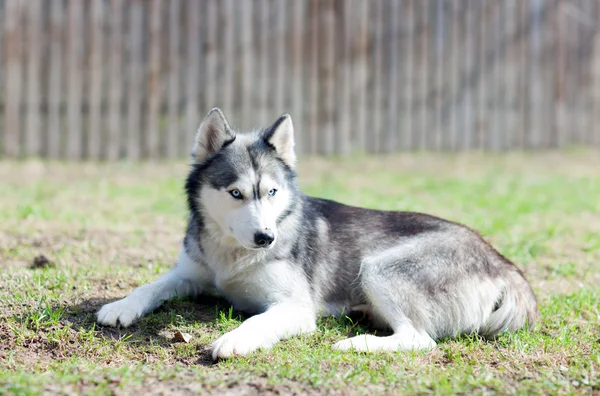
(264, 239)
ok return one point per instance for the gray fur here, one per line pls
(423, 277)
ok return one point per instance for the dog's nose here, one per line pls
(264, 239)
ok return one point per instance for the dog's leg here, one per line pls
(381, 284)
(405, 338)
(187, 278)
(281, 321)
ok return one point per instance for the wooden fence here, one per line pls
(132, 79)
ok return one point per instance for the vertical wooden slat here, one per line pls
(559, 87)
(586, 27)
(437, 76)
(297, 62)
(344, 76)
(523, 69)
(74, 83)
(95, 100)
(468, 80)
(481, 124)
(210, 55)
(360, 72)
(279, 60)
(229, 52)
(555, 76)
(596, 80)
(375, 110)
(154, 80)
(535, 80)
(497, 138)
(247, 64)
(408, 85)
(55, 79)
(547, 76)
(264, 67)
(134, 97)
(33, 142)
(327, 70)
(173, 79)
(193, 11)
(510, 72)
(312, 76)
(393, 89)
(424, 44)
(113, 150)
(452, 103)
(13, 76)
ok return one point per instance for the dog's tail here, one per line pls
(516, 306)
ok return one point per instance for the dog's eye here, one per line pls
(235, 193)
(272, 192)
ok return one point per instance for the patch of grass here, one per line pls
(110, 228)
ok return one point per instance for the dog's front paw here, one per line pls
(124, 311)
(238, 343)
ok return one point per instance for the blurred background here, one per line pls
(111, 79)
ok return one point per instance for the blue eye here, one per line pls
(272, 192)
(235, 193)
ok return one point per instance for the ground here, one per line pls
(105, 229)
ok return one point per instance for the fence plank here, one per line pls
(74, 83)
(173, 79)
(510, 72)
(536, 92)
(193, 11)
(113, 147)
(327, 66)
(154, 85)
(375, 143)
(596, 80)
(279, 58)
(424, 48)
(210, 55)
(134, 97)
(344, 123)
(247, 64)
(392, 89)
(228, 27)
(312, 114)
(54, 128)
(95, 72)
(408, 81)
(497, 140)
(296, 70)
(13, 75)
(360, 71)
(33, 143)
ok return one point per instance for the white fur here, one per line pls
(280, 321)
(241, 219)
(406, 338)
(187, 278)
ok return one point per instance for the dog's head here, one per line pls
(244, 183)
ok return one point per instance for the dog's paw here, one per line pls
(123, 311)
(239, 343)
(355, 343)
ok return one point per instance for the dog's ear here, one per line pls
(212, 135)
(281, 137)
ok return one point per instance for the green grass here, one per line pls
(111, 228)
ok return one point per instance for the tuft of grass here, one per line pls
(112, 227)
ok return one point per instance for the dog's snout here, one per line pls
(264, 238)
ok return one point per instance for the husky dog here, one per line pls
(256, 240)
